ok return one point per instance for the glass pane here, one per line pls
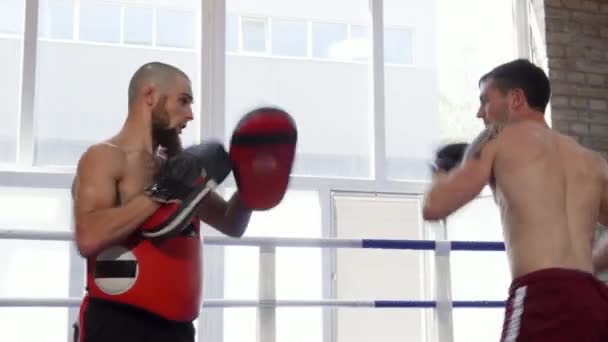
(52, 209)
(99, 22)
(92, 98)
(254, 35)
(329, 100)
(56, 19)
(12, 16)
(478, 221)
(298, 269)
(138, 25)
(386, 325)
(326, 37)
(398, 46)
(176, 28)
(232, 33)
(477, 325)
(289, 37)
(436, 97)
(299, 325)
(375, 274)
(27, 264)
(34, 324)
(246, 321)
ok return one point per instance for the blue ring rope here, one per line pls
(433, 304)
(486, 246)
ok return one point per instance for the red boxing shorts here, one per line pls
(556, 304)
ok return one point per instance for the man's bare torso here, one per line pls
(548, 189)
(134, 169)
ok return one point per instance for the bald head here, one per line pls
(161, 75)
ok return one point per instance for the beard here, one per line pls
(162, 134)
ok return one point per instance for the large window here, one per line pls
(312, 58)
(329, 100)
(90, 100)
(12, 14)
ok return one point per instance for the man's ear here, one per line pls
(518, 98)
(150, 93)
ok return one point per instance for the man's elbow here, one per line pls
(433, 213)
(235, 230)
(87, 244)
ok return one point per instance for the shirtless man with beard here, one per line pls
(140, 289)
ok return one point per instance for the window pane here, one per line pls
(289, 37)
(99, 22)
(56, 19)
(358, 47)
(92, 99)
(254, 35)
(12, 16)
(245, 318)
(27, 264)
(477, 325)
(52, 209)
(34, 324)
(478, 221)
(326, 37)
(375, 274)
(436, 98)
(232, 35)
(329, 100)
(138, 25)
(176, 28)
(298, 269)
(366, 325)
(398, 46)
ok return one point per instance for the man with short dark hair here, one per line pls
(551, 192)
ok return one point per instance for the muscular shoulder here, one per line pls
(486, 142)
(102, 157)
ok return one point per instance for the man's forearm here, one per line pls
(237, 216)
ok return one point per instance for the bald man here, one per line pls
(551, 192)
(140, 289)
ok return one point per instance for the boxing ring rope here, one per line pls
(292, 242)
(235, 303)
(268, 303)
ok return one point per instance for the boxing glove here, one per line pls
(262, 151)
(181, 183)
(449, 156)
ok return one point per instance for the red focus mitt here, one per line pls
(262, 150)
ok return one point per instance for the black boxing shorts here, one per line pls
(103, 321)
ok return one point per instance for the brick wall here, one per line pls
(576, 32)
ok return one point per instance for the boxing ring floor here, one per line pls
(442, 306)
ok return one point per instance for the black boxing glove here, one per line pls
(449, 156)
(181, 183)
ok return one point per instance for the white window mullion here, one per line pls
(377, 96)
(25, 141)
